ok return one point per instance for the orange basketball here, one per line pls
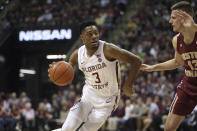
(61, 73)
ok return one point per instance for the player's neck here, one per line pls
(90, 52)
(188, 36)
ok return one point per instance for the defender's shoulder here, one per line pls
(174, 40)
(175, 37)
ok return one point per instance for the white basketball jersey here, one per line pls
(101, 76)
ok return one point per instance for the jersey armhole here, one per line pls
(114, 60)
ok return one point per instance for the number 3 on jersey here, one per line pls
(98, 80)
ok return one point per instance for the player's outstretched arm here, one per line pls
(148, 68)
(168, 65)
(73, 60)
(113, 52)
(174, 63)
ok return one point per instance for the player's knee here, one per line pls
(99, 120)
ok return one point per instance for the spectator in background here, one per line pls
(42, 117)
(15, 114)
(28, 117)
(63, 111)
(23, 97)
(47, 104)
(6, 121)
(128, 109)
(13, 100)
(122, 6)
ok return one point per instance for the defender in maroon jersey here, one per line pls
(185, 46)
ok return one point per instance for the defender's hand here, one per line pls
(148, 68)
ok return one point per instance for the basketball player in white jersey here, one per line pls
(99, 61)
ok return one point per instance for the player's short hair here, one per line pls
(184, 6)
(85, 24)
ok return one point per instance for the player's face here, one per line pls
(175, 21)
(90, 37)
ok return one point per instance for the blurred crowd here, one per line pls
(49, 13)
(139, 112)
(147, 34)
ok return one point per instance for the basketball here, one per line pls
(61, 73)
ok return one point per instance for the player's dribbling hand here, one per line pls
(50, 65)
(148, 68)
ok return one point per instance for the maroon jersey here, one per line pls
(189, 55)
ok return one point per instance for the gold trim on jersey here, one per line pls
(173, 103)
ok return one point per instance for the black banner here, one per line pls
(48, 39)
